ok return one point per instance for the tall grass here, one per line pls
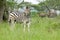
(41, 29)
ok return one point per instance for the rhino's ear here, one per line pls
(24, 14)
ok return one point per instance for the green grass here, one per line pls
(41, 29)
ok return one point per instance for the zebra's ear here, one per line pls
(27, 7)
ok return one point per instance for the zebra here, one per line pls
(12, 19)
(24, 17)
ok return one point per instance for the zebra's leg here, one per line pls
(12, 24)
(15, 21)
(28, 24)
(24, 23)
(9, 21)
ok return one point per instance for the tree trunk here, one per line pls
(2, 7)
(1, 14)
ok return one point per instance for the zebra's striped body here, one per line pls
(12, 16)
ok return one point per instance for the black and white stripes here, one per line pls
(12, 16)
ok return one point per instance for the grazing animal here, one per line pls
(52, 13)
(42, 15)
(12, 19)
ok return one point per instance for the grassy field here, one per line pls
(41, 29)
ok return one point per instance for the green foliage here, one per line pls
(51, 4)
(37, 7)
(12, 4)
(24, 4)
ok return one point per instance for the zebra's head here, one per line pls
(27, 11)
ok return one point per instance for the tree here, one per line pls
(2, 7)
(55, 4)
(37, 7)
(24, 4)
